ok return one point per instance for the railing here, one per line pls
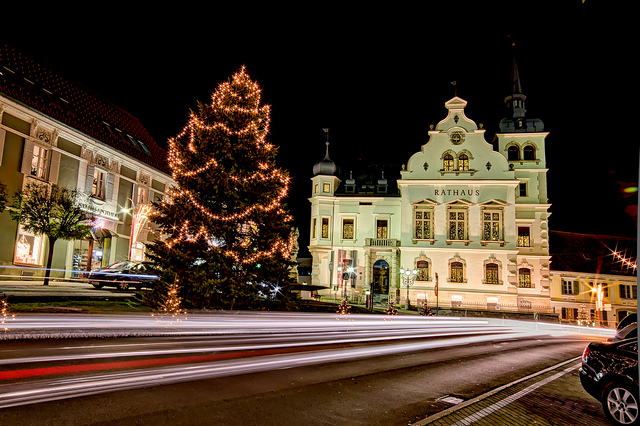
(381, 242)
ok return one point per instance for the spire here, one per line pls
(515, 102)
(326, 166)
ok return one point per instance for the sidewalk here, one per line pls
(550, 397)
(63, 289)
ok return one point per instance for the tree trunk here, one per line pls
(47, 272)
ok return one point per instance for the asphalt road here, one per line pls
(318, 377)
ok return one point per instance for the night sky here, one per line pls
(377, 78)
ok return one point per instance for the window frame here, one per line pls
(521, 277)
(487, 280)
(41, 168)
(520, 237)
(345, 221)
(575, 287)
(99, 191)
(325, 230)
(425, 207)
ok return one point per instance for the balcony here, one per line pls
(381, 242)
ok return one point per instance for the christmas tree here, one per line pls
(224, 230)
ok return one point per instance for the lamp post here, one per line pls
(408, 277)
(599, 302)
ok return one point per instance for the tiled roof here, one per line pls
(592, 253)
(35, 86)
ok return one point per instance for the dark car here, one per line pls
(609, 373)
(125, 274)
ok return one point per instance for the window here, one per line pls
(522, 189)
(315, 188)
(491, 273)
(457, 224)
(39, 162)
(326, 187)
(348, 229)
(628, 291)
(382, 229)
(422, 266)
(325, 227)
(463, 162)
(491, 225)
(313, 228)
(422, 224)
(513, 153)
(28, 248)
(97, 190)
(457, 272)
(524, 278)
(570, 287)
(529, 153)
(524, 239)
(448, 163)
(142, 195)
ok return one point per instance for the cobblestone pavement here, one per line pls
(552, 398)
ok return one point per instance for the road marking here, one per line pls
(492, 392)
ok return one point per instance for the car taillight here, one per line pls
(585, 353)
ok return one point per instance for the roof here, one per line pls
(596, 254)
(37, 87)
(378, 180)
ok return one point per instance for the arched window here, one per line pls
(524, 278)
(513, 153)
(529, 152)
(463, 162)
(457, 272)
(423, 270)
(491, 273)
(448, 163)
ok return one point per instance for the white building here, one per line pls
(465, 216)
(53, 131)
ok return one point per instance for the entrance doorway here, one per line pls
(91, 253)
(381, 283)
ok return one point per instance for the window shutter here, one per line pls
(27, 157)
(3, 134)
(88, 186)
(54, 167)
(109, 192)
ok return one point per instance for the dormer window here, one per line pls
(529, 153)
(513, 153)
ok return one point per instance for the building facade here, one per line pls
(52, 131)
(464, 225)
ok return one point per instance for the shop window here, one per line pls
(524, 278)
(28, 248)
(348, 229)
(524, 238)
(39, 162)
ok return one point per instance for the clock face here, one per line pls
(457, 138)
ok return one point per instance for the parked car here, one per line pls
(123, 275)
(609, 373)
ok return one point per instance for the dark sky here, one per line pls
(377, 78)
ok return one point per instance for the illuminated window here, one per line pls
(142, 195)
(457, 272)
(524, 278)
(325, 227)
(423, 223)
(463, 162)
(98, 187)
(326, 187)
(348, 229)
(39, 162)
(491, 225)
(524, 239)
(382, 229)
(315, 188)
(422, 266)
(457, 224)
(448, 163)
(28, 248)
(491, 273)
(313, 228)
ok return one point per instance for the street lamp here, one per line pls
(408, 277)
(599, 302)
